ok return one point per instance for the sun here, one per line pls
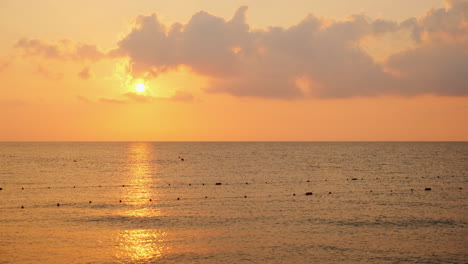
(140, 87)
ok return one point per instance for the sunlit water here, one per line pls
(141, 203)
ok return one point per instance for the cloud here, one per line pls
(439, 64)
(12, 103)
(62, 50)
(111, 101)
(4, 64)
(85, 74)
(49, 74)
(83, 99)
(440, 68)
(139, 97)
(313, 58)
(181, 96)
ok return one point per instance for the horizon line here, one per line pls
(234, 141)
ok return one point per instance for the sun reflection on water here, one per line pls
(141, 245)
(139, 192)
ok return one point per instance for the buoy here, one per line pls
(245, 196)
(427, 189)
(90, 202)
(206, 197)
(120, 201)
(74, 160)
(1, 189)
(22, 207)
(370, 190)
(202, 184)
(329, 192)
(73, 186)
(123, 185)
(246, 183)
(178, 198)
(169, 184)
(412, 190)
(308, 181)
(308, 193)
(22, 188)
(218, 183)
(150, 200)
(99, 186)
(48, 187)
(190, 184)
(58, 204)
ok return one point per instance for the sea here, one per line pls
(233, 202)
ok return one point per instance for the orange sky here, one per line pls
(242, 70)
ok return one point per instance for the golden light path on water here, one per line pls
(140, 245)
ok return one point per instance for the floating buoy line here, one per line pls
(214, 185)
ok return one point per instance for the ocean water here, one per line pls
(139, 202)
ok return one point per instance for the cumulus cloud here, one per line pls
(313, 58)
(439, 64)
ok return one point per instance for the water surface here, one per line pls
(139, 202)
